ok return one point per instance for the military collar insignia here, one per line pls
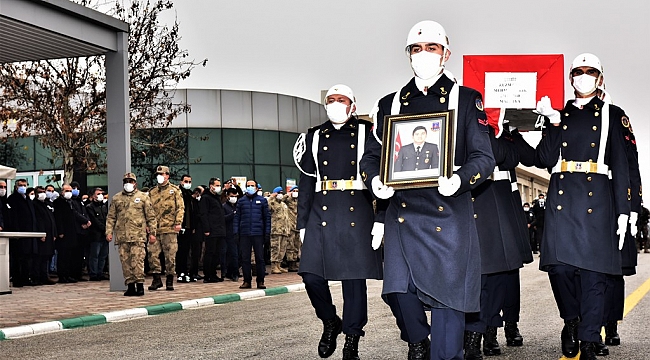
(137, 200)
(443, 91)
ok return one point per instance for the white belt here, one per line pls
(500, 175)
(341, 185)
(587, 167)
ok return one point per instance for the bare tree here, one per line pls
(63, 101)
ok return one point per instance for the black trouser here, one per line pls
(512, 301)
(39, 268)
(196, 247)
(534, 245)
(214, 250)
(232, 256)
(254, 243)
(64, 262)
(355, 302)
(184, 245)
(77, 260)
(20, 267)
(614, 298)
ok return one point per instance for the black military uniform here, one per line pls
(530, 217)
(427, 233)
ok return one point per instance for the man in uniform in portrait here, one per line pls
(419, 154)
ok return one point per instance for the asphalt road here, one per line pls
(285, 327)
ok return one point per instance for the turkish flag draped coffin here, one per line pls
(514, 84)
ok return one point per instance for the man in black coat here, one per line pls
(530, 217)
(45, 222)
(188, 229)
(214, 229)
(68, 221)
(82, 234)
(97, 211)
(418, 155)
(232, 245)
(21, 211)
(539, 208)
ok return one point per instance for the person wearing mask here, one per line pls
(45, 222)
(539, 208)
(50, 196)
(167, 201)
(3, 204)
(196, 247)
(23, 218)
(336, 221)
(293, 242)
(530, 218)
(129, 215)
(252, 223)
(432, 231)
(214, 230)
(188, 229)
(232, 245)
(97, 211)
(68, 221)
(280, 229)
(82, 234)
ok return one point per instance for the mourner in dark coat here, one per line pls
(23, 219)
(214, 229)
(587, 212)
(46, 223)
(188, 230)
(232, 245)
(419, 154)
(335, 219)
(433, 231)
(97, 211)
(68, 220)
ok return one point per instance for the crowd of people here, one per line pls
(188, 229)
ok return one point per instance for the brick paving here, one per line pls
(35, 304)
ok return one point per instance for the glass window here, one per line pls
(237, 146)
(238, 170)
(268, 176)
(204, 146)
(287, 141)
(267, 147)
(290, 172)
(96, 180)
(45, 158)
(201, 173)
(20, 153)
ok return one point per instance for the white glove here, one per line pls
(502, 117)
(622, 228)
(633, 218)
(448, 186)
(544, 108)
(377, 234)
(381, 191)
(302, 236)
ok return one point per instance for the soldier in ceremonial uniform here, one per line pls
(432, 256)
(587, 213)
(129, 215)
(419, 154)
(335, 221)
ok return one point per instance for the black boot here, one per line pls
(419, 350)
(513, 337)
(331, 329)
(587, 351)
(570, 344)
(601, 349)
(130, 291)
(490, 343)
(472, 345)
(169, 284)
(139, 289)
(156, 283)
(611, 333)
(351, 347)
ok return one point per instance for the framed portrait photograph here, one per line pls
(417, 149)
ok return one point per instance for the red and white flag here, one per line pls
(398, 146)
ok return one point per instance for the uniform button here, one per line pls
(327, 135)
(440, 208)
(591, 193)
(475, 216)
(351, 177)
(351, 146)
(559, 207)
(596, 113)
(564, 144)
(561, 192)
(352, 134)
(472, 199)
(400, 219)
(325, 162)
(564, 127)
(352, 224)
(352, 193)
(589, 211)
(324, 177)
(352, 162)
(593, 144)
(594, 128)
(566, 114)
(403, 204)
(324, 208)
(442, 100)
(588, 178)
(351, 208)
(561, 176)
(324, 223)
(325, 148)
(438, 228)
(325, 192)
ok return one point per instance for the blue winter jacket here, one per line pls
(252, 217)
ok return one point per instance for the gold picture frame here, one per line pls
(417, 149)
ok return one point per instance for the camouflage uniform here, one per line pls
(128, 217)
(167, 201)
(293, 244)
(280, 228)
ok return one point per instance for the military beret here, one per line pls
(293, 188)
(162, 169)
(129, 175)
(277, 189)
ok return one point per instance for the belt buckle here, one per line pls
(339, 185)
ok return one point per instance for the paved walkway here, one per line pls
(29, 305)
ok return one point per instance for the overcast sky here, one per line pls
(299, 47)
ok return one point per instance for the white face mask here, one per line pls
(198, 198)
(100, 197)
(337, 112)
(584, 84)
(279, 196)
(217, 190)
(259, 193)
(67, 195)
(128, 187)
(526, 208)
(187, 186)
(160, 179)
(294, 194)
(105, 201)
(32, 197)
(3, 192)
(42, 196)
(426, 65)
(541, 202)
(55, 195)
(232, 200)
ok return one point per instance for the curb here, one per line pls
(141, 312)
